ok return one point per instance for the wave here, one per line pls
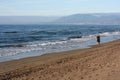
(25, 48)
(13, 45)
(74, 37)
(47, 43)
(63, 32)
(50, 46)
(105, 34)
(93, 36)
(11, 32)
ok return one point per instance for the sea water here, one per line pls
(20, 41)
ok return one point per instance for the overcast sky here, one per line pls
(56, 7)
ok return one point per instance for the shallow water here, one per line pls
(19, 41)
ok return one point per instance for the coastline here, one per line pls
(54, 49)
(42, 39)
(82, 64)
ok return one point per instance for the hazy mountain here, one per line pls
(100, 18)
(26, 19)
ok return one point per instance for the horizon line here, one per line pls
(58, 15)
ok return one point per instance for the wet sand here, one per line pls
(96, 63)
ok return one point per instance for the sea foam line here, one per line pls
(50, 45)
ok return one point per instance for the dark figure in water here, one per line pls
(98, 39)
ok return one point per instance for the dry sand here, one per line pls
(96, 63)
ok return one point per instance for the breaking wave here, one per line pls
(47, 46)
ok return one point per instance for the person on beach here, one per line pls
(98, 39)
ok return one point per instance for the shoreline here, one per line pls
(63, 65)
(85, 45)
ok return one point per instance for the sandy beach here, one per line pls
(96, 63)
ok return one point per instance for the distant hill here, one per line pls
(100, 18)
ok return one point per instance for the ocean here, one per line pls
(20, 41)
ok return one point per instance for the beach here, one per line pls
(96, 63)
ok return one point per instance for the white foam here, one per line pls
(28, 48)
(80, 39)
(90, 37)
(45, 47)
(13, 51)
(110, 33)
(46, 43)
(84, 38)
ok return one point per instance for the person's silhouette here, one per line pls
(98, 39)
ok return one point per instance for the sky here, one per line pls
(57, 7)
